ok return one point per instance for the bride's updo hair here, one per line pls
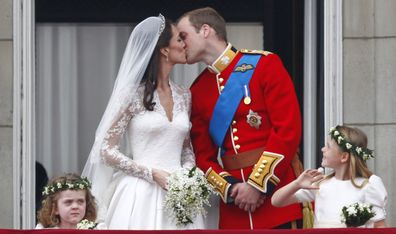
(149, 79)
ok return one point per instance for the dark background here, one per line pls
(282, 19)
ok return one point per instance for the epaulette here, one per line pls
(263, 52)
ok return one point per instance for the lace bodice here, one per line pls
(155, 141)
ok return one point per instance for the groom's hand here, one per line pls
(246, 197)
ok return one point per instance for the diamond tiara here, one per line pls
(162, 27)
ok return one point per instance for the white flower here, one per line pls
(365, 206)
(46, 191)
(59, 185)
(339, 139)
(356, 214)
(188, 194)
(351, 210)
(358, 149)
(336, 133)
(86, 224)
(348, 145)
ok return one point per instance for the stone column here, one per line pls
(370, 83)
(6, 118)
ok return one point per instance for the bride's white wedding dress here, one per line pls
(136, 201)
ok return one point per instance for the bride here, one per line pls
(151, 114)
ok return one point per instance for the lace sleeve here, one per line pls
(111, 155)
(187, 157)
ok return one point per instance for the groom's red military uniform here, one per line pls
(269, 122)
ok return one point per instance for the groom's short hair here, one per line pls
(209, 16)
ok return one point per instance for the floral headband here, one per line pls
(83, 183)
(347, 146)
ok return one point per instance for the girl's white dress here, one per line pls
(333, 194)
(99, 226)
(135, 201)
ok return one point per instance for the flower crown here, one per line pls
(83, 183)
(341, 140)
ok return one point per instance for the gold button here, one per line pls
(264, 162)
(237, 147)
(212, 177)
(234, 130)
(221, 184)
(260, 170)
(221, 80)
(233, 122)
(221, 87)
(236, 138)
(257, 175)
(262, 166)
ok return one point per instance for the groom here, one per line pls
(244, 104)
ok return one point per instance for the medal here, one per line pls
(253, 119)
(247, 100)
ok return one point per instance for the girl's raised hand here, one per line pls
(309, 178)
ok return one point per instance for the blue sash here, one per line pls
(231, 96)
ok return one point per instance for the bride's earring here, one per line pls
(167, 58)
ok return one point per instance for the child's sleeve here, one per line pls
(376, 195)
(305, 195)
(101, 226)
(39, 226)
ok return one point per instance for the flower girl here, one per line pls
(350, 196)
(67, 204)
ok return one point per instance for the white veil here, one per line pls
(138, 52)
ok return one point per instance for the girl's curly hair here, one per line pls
(46, 215)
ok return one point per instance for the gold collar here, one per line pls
(223, 60)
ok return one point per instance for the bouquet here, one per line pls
(188, 193)
(357, 214)
(86, 224)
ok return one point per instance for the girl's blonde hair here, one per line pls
(357, 166)
(46, 215)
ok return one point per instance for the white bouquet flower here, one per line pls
(357, 214)
(188, 193)
(86, 224)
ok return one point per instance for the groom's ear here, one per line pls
(206, 30)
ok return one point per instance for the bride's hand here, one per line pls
(160, 177)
